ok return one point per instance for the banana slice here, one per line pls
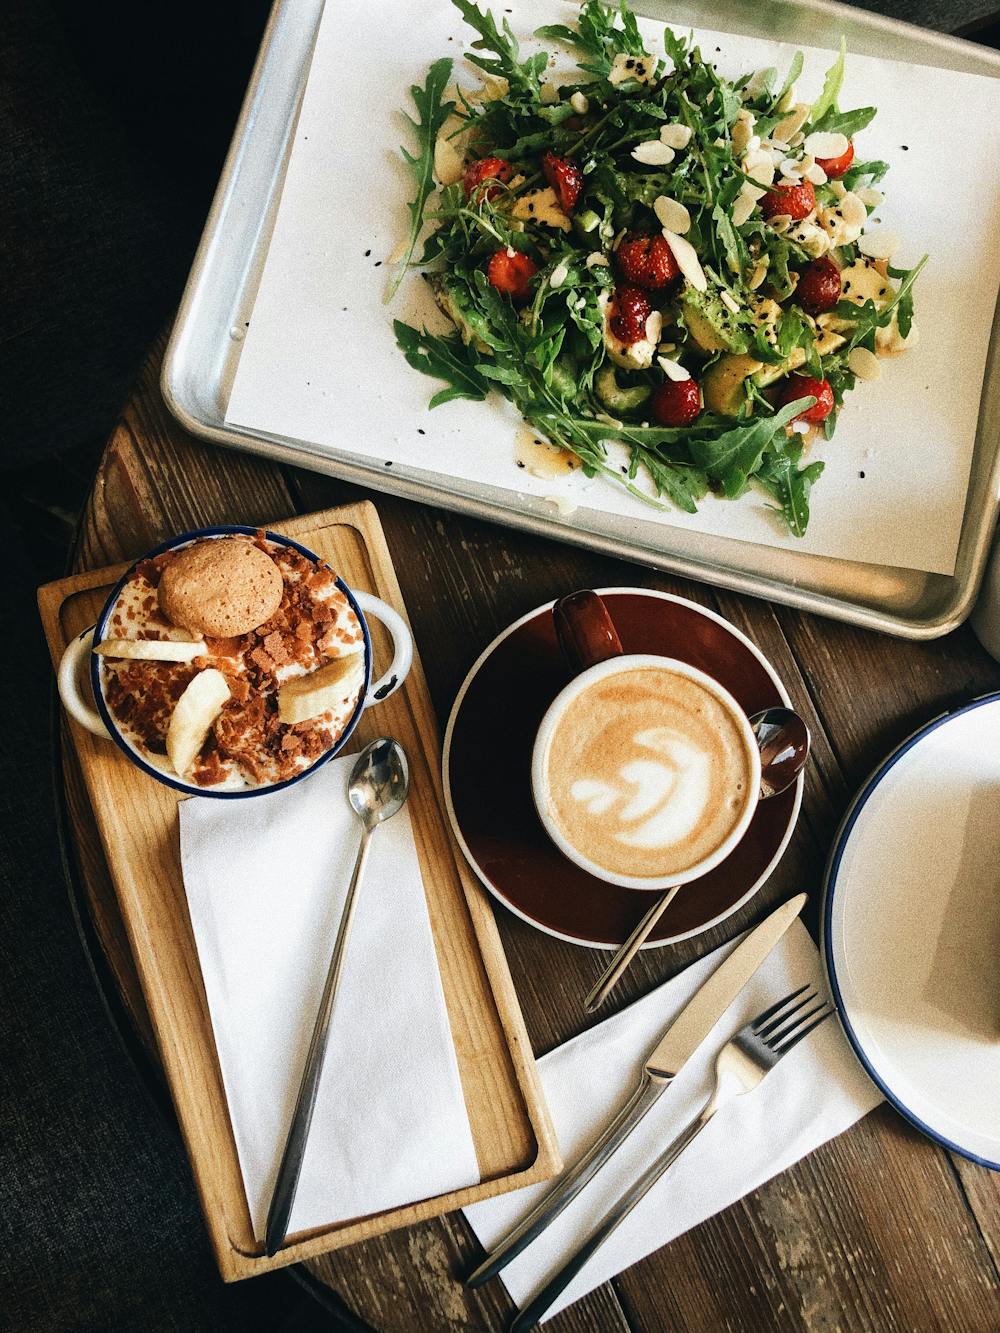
(193, 715)
(153, 650)
(330, 687)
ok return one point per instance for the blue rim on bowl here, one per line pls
(826, 919)
(190, 788)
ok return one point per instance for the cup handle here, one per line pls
(585, 630)
(402, 647)
(68, 680)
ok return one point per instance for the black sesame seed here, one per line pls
(847, 286)
(881, 291)
(519, 463)
(378, 263)
(421, 431)
(367, 253)
(905, 147)
(387, 465)
(861, 475)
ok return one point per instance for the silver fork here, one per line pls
(741, 1065)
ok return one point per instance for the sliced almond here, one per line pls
(869, 197)
(687, 261)
(822, 143)
(653, 153)
(852, 210)
(790, 126)
(192, 718)
(327, 689)
(558, 275)
(879, 243)
(675, 136)
(780, 222)
(672, 369)
(743, 207)
(729, 301)
(580, 103)
(654, 326)
(815, 174)
(596, 260)
(759, 273)
(864, 364)
(671, 214)
(152, 650)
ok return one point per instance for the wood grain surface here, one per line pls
(878, 1230)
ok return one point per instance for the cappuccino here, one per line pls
(647, 772)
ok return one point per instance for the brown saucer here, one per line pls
(487, 765)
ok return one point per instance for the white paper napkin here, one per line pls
(814, 1094)
(266, 881)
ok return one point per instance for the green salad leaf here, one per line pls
(432, 113)
(831, 87)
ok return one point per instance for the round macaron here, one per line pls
(222, 587)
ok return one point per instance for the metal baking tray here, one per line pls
(204, 348)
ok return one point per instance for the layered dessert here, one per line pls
(232, 662)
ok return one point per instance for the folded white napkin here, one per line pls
(815, 1093)
(266, 880)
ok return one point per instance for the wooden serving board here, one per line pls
(137, 821)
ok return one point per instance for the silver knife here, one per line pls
(680, 1041)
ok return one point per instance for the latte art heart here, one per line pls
(647, 772)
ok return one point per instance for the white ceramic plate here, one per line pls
(911, 928)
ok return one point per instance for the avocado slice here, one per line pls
(449, 300)
(710, 323)
(722, 383)
(613, 396)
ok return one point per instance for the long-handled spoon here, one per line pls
(783, 741)
(380, 782)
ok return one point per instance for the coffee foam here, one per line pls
(647, 772)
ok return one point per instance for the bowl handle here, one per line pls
(402, 647)
(71, 665)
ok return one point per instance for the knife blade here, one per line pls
(701, 1013)
(678, 1043)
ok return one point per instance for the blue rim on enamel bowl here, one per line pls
(178, 784)
(826, 923)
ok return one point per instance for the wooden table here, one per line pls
(879, 1229)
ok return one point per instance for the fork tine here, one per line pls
(782, 1028)
(787, 1044)
(766, 1031)
(770, 1013)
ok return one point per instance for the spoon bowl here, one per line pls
(380, 782)
(783, 740)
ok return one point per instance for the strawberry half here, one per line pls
(647, 261)
(804, 386)
(818, 289)
(836, 166)
(630, 308)
(485, 169)
(797, 200)
(511, 272)
(565, 177)
(676, 402)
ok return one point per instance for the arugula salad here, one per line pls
(674, 277)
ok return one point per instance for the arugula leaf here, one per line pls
(781, 477)
(732, 248)
(848, 123)
(831, 87)
(524, 77)
(795, 69)
(732, 456)
(445, 359)
(432, 114)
